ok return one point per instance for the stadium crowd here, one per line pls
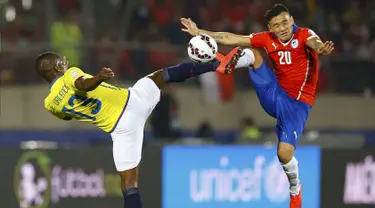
(91, 37)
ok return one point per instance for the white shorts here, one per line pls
(127, 137)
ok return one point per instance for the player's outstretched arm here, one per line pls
(89, 84)
(320, 47)
(224, 38)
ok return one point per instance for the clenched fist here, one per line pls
(106, 73)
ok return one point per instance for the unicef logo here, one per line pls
(32, 182)
(276, 182)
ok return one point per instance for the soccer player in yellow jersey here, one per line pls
(118, 111)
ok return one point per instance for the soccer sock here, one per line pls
(291, 170)
(247, 58)
(132, 198)
(181, 72)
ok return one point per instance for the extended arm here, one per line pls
(321, 48)
(224, 38)
(89, 84)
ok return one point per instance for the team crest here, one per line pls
(74, 74)
(294, 43)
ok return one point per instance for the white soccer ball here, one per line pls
(202, 48)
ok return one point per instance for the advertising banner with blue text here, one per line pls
(235, 176)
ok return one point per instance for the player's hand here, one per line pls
(62, 65)
(326, 48)
(189, 26)
(65, 63)
(106, 73)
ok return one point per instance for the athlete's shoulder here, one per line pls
(74, 72)
(261, 39)
(306, 33)
(264, 35)
(304, 30)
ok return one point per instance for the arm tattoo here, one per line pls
(219, 37)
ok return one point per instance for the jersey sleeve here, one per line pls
(258, 40)
(72, 75)
(307, 34)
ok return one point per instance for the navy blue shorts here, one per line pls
(290, 113)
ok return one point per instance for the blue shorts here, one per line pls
(290, 113)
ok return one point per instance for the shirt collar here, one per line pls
(53, 82)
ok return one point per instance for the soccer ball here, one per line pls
(202, 48)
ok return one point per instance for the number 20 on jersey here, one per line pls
(285, 57)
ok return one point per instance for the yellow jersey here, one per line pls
(102, 106)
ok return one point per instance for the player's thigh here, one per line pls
(263, 75)
(127, 137)
(266, 87)
(291, 119)
(147, 94)
(127, 145)
(267, 98)
(127, 150)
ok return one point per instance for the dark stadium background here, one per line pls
(135, 37)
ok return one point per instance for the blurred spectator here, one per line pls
(6, 77)
(235, 12)
(66, 38)
(334, 28)
(161, 54)
(174, 28)
(105, 53)
(249, 131)
(125, 67)
(352, 13)
(205, 131)
(68, 4)
(154, 38)
(162, 11)
(164, 119)
(141, 18)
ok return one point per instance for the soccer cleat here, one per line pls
(228, 62)
(219, 56)
(296, 200)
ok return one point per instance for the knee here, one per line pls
(285, 152)
(129, 179)
(158, 77)
(258, 58)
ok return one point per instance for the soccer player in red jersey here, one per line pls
(286, 92)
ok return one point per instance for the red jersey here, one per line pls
(296, 65)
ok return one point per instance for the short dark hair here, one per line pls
(274, 11)
(46, 61)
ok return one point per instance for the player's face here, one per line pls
(282, 26)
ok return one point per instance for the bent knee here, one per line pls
(158, 78)
(285, 152)
(258, 58)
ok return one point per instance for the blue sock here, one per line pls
(132, 198)
(181, 72)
